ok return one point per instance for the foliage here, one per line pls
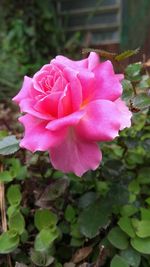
(21, 40)
(102, 218)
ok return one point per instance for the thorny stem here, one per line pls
(3, 212)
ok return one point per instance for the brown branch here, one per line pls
(2, 204)
(3, 212)
(101, 257)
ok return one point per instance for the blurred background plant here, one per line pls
(34, 31)
(52, 219)
(30, 36)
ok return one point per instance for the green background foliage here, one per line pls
(103, 218)
(30, 36)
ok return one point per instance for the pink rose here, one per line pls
(70, 106)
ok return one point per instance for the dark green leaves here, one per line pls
(108, 209)
(9, 145)
(133, 71)
(144, 175)
(118, 238)
(142, 101)
(127, 90)
(70, 213)
(99, 212)
(118, 261)
(131, 256)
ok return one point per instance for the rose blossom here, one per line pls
(70, 106)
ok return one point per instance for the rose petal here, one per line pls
(75, 155)
(65, 103)
(120, 77)
(27, 105)
(93, 61)
(49, 104)
(71, 105)
(37, 137)
(59, 84)
(101, 121)
(125, 114)
(38, 81)
(26, 91)
(75, 87)
(62, 62)
(87, 81)
(107, 85)
(70, 120)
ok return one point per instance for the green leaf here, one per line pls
(147, 200)
(118, 261)
(99, 212)
(70, 214)
(145, 82)
(17, 223)
(127, 90)
(102, 187)
(143, 228)
(114, 197)
(11, 210)
(9, 145)
(141, 101)
(5, 176)
(45, 219)
(131, 256)
(14, 195)
(87, 199)
(134, 187)
(133, 158)
(118, 238)
(128, 210)
(17, 171)
(24, 236)
(126, 54)
(141, 244)
(133, 71)
(76, 242)
(144, 175)
(41, 258)
(145, 214)
(45, 239)
(64, 227)
(126, 225)
(9, 241)
(3, 133)
(75, 230)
